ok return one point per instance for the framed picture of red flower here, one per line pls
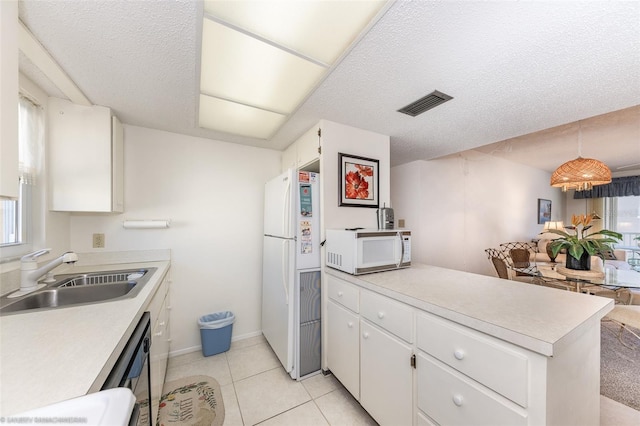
(358, 180)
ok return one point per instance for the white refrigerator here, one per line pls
(291, 271)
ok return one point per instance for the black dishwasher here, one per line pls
(132, 371)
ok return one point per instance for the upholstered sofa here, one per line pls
(597, 264)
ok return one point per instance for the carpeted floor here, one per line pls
(620, 366)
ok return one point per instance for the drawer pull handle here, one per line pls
(350, 324)
(158, 334)
(380, 315)
(340, 294)
(161, 324)
(459, 354)
(365, 335)
(458, 400)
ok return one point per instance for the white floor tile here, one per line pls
(319, 385)
(232, 416)
(251, 341)
(184, 359)
(265, 395)
(215, 366)
(251, 360)
(340, 408)
(303, 415)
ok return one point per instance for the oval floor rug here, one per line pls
(192, 401)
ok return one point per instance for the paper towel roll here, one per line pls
(146, 224)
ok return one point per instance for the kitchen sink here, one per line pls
(80, 289)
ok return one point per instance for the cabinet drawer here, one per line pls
(482, 358)
(453, 399)
(344, 293)
(391, 315)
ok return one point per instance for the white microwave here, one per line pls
(363, 251)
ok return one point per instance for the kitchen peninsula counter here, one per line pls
(57, 354)
(534, 317)
(428, 345)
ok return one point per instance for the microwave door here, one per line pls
(399, 249)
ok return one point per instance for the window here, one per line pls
(16, 216)
(622, 214)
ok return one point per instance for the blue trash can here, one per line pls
(215, 332)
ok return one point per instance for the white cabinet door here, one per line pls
(307, 147)
(343, 353)
(289, 160)
(160, 338)
(83, 158)
(9, 99)
(386, 389)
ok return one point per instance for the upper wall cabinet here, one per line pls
(303, 153)
(86, 158)
(9, 99)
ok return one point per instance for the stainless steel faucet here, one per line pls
(30, 274)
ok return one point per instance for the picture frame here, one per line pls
(358, 181)
(544, 211)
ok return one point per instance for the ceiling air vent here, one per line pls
(432, 100)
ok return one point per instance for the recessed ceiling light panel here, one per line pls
(234, 118)
(319, 29)
(244, 69)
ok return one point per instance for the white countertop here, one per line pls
(58, 354)
(538, 318)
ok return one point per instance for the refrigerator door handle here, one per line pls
(401, 249)
(286, 217)
(284, 270)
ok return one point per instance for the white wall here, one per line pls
(213, 193)
(338, 138)
(460, 205)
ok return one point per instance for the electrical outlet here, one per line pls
(98, 240)
(400, 223)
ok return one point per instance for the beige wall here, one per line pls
(213, 193)
(460, 205)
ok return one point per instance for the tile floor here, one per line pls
(256, 390)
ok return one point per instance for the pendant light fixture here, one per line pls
(580, 174)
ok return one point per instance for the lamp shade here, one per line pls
(581, 174)
(559, 225)
(553, 225)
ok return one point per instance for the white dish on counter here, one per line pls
(109, 407)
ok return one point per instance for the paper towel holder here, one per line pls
(147, 224)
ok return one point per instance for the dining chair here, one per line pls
(499, 262)
(520, 255)
(502, 265)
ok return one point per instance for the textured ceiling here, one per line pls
(513, 68)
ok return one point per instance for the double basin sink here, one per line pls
(80, 289)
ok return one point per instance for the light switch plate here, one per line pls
(400, 223)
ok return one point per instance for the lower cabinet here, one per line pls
(344, 338)
(407, 366)
(160, 339)
(373, 364)
(386, 390)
